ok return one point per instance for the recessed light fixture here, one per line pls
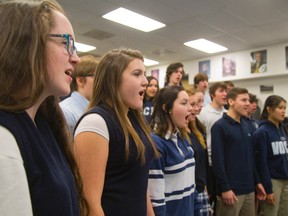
(133, 20)
(149, 62)
(84, 47)
(205, 46)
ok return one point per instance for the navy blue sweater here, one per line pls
(233, 161)
(51, 183)
(148, 110)
(201, 161)
(271, 153)
(126, 181)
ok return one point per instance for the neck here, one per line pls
(31, 111)
(216, 106)
(276, 123)
(173, 84)
(233, 115)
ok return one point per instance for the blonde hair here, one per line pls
(106, 86)
(87, 66)
(192, 125)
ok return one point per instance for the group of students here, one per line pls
(110, 160)
(236, 156)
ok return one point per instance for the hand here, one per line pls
(229, 198)
(270, 199)
(261, 193)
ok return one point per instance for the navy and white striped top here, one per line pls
(171, 184)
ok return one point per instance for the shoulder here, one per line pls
(93, 123)
(66, 102)
(8, 145)
(159, 141)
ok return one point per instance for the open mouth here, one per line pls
(68, 73)
(142, 93)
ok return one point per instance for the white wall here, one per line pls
(276, 75)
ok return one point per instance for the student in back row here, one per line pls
(75, 105)
(201, 83)
(208, 116)
(174, 74)
(148, 101)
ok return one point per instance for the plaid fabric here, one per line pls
(204, 199)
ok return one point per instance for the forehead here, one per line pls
(153, 81)
(62, 24)
(220, 89)
(193, 98)
(182, 95)
(136, 64)
(242, 96)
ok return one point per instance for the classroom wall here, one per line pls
(276, 75)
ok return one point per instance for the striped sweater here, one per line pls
(171, 185)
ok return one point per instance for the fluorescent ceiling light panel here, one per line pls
(84, 47)
(149, 62)
(205, 46)
(133, 20)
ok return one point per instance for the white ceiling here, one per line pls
(235, 24)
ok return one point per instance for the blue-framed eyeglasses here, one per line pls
(70, 46)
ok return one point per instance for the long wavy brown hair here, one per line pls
(24, 29)
(106, 85)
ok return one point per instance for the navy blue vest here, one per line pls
(125, 185)
(51, 183)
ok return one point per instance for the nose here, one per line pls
(74, 58)
(197, 108)
(190, 108)
(145, 82)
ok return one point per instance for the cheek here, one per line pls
(179, 114)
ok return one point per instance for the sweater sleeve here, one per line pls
(156, 185)
(218, 160)
(260, 141)
(14, 191)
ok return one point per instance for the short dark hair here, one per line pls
(233, 93)
(215, 86)
(252, 98)
(229, 83)
(171, 68)
(200, 77)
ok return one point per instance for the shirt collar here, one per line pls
(170, 135)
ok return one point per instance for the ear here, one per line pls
(269, 110)
(164, 107)
(80, 81)
(230, 102)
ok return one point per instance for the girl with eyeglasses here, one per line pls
(38, 172)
